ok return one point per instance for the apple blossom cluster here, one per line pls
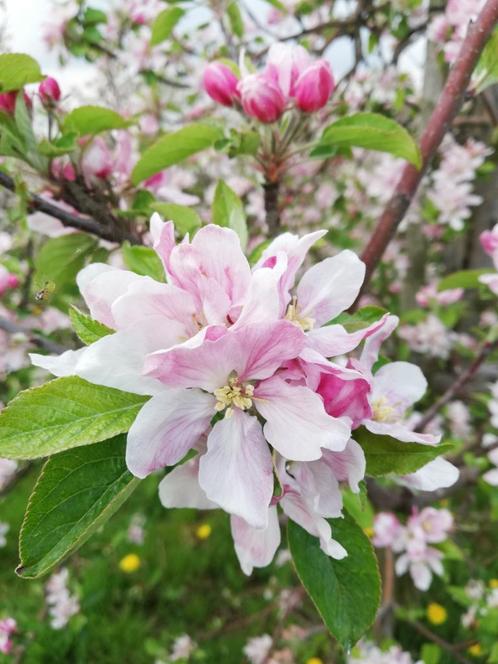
(239, 364)
(291, 78)
(412, 542)
(62, 605)
(448, 30)
(369, 653)
(489, 242)
(8, 627)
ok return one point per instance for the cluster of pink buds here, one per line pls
(7, 280)
(7, 627)
(290, 78)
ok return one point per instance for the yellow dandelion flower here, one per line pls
(203, 531)
(130, 563)
(436, 614)
(314, 660)
(475, 650)
(369, 532)
(493, 583)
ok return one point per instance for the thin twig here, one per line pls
(35, 338)
(449, 104)
(455, 387)
(435, 638)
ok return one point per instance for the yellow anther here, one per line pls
(234, 394)
(292, 315)
(383, 411)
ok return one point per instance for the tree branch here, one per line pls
(449, 103)
(271, 190)
(68, 219)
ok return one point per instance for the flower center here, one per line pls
(294, 316)
(234, 395)
(383, 411)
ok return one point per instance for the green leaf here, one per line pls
(373, 132)
(174, 148)
(76, 493)
(87, 329)
(258, 250)
(227, 210)
(143, 260)
(62, 414)
(359, 507)
(360, 319)
(431, 653)
(235, 19)
(164, 24)
(94, 120)
(346, 592)
(463, 279)
(486, 72)
(94, 16)
(278, 5)
(61, 258)
(62, 145)
(185, 218)
(385, 454)
(18, 69)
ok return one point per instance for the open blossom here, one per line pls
(369, 653)
(412, 541)
(183, 647)
(236, 362)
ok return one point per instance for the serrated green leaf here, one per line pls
(93, 120)
(235, 19)
(174, 148)
(76, 493)
(463, 279)
(164, 24)
(360, 319)
(185, 218)
(87, 329)
(346, 592)
(143, 260)
(227, 210)
(62, 414)
(61, 258)
(17, 70)
(385, 455)
(373, 132)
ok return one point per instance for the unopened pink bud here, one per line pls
(314, 87)
(12, 281)
(8, 102)
(220, 83)
(261, 97)
(63, 170)
(49, 90)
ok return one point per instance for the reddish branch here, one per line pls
(450, 102)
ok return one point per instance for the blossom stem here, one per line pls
(448, 106)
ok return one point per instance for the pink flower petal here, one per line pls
(166, 428)
(255, 547)
(180, 488)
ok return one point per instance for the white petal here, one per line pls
(236, 472)
(180, 488)
(437, 474)
(400, 382)
(330, 287)
(255, 547)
